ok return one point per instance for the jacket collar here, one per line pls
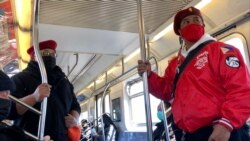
(204, 38)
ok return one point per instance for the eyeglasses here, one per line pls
(48, 53)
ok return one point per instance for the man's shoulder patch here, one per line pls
(233, 62)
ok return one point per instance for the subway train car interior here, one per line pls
(99, 43)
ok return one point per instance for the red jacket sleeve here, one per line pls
(161, 87)
(235, 80)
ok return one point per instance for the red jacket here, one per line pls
(214, 87)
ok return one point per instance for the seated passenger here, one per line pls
(9, 133)
(88, 131)
(85, 134)
(110, 129)
(160, 132)
(94, 134)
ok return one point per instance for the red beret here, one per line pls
(182, 14)
(49, 44)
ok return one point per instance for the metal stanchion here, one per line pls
(167, 137)
(41, 66)
(145, 74)
(101, 108)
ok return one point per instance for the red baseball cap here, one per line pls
(182, 14)
(48, 44)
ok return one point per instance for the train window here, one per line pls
(137, 103)
(88, 110)
(91, 108)
(136, 88)
(99, 106)
(116, 109)
(83, 115)
(107, 104)
(106, 108)
(238, 41)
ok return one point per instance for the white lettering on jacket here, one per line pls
(201, 60)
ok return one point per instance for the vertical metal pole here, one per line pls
(144, 76)
(165, 121)
(35, 34)
(101, 108)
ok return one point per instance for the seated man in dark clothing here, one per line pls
(6, 132)
(9, 133)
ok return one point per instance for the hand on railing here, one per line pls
(143, 67)
(42, 91)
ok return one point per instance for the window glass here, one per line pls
(8, 47)
(83, 115)
(91, 106)
(136, 88)
(106, 104)
(137, 103)
(138, 109)
(98, 106)
(239, 44)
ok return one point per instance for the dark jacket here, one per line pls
(159, 131)
(11, 133)
(160, 134)
(61, 101)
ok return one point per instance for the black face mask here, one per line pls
(49, 62)
(5, 106)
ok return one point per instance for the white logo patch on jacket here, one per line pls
(233, 62)
(201, 61)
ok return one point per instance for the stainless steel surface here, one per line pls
(69, 72)
(165, 122)
(35, 33)
(145, 74)
(114, 15)
(101, 108)
(24, 104)
(107, 27)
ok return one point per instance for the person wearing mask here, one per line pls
(62, 107)
(9, 133)
(208, 82)
(159, 133)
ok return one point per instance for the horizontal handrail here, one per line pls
(25, 105)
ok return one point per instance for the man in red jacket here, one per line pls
(210, 91)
